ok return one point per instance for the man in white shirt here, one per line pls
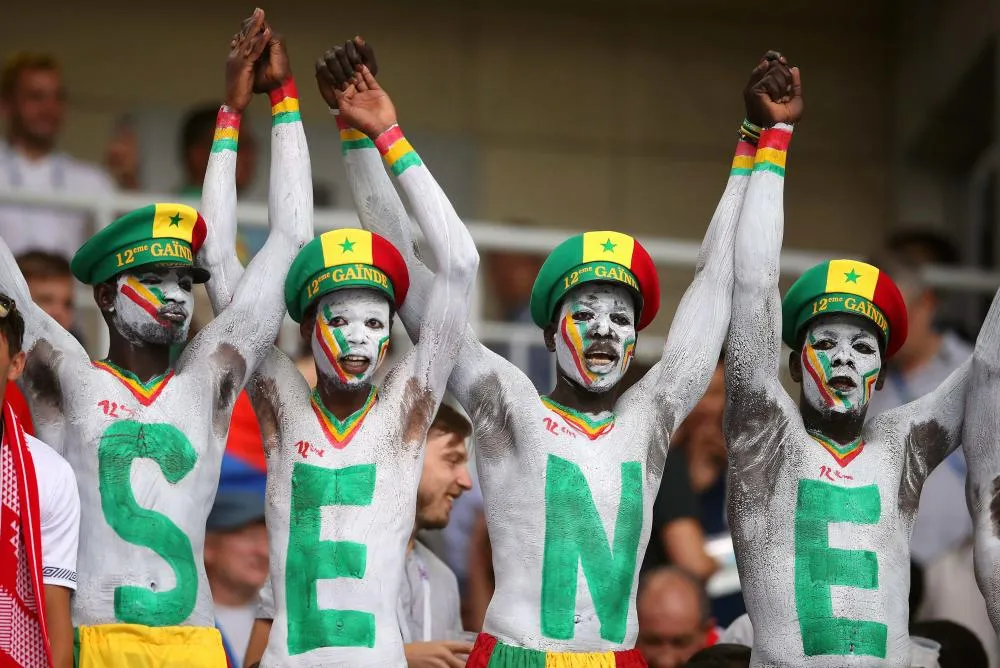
(39, 529)
(32, 104)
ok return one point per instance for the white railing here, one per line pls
(665, 252)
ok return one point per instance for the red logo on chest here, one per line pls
(557, 429)
(115, 410)
(833, 475)
(305, 447)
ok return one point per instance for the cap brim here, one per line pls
(198, 274)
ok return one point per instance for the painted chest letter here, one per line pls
(311, 559)
(819, 566)
(575, 536)
(122, 443)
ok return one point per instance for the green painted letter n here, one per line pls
(574, 535)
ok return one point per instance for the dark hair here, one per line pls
(724, 655)
(918, 246)
(960, 647)
(451, 421)
(704, 603)
(12, 326)
(22, 62)
(198, 127)
(42, 265)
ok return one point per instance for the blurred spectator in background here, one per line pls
(51, 285)
(32, 104)
(236, 562)
(429, 604)
(941, 543)
(197, 133)
(675, 620)
(510, 277)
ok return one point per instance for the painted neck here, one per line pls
(844, 428)
(571, 395)
(145, 361)
(342, 401)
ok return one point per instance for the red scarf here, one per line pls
(24, 641)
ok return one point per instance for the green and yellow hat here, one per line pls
(168, 235)
(610, 257)
(846, 286)
(345, 258)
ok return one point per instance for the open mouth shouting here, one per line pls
(842, 384)
(355, 365)
(601, 357)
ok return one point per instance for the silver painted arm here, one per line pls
(381, 211)
(242, 335)
(691, 352)
(754, 342)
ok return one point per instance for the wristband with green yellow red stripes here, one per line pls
(396, 150)
(227, 130)
(772, 149)
(350, 138)
(285, 103)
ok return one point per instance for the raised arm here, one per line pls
(242, 334)
(381, 211)
(53, 354)
(754, 343)
(218, 208)
(444, 320)
(982, 453)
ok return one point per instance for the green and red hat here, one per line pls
(345, 258)
(166, 235)
(609, 257)
(846, 286)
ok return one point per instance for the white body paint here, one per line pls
(67, 395)
(390, 438)
(982, 452)
(137, 325)
(362, 316)
(771, 455)
(851, 353)
(603, 315)
(517, 436)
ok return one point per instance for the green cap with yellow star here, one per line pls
(609, 257)
(167, 235)
(345, 258)
(846, 286)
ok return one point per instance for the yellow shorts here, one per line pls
(137, 646)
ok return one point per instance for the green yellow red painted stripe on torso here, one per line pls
(340, 432)
(589, 427)
(146, 393)
(843, 454)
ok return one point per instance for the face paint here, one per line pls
(154, 307)
(596, 335)
(351, 335)
(841, 363)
